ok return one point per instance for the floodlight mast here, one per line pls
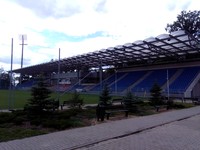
(10, 100)
(23, 37)
(58, 80)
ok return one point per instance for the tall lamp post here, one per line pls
(58, 77)
(10, 101)
(22, 37)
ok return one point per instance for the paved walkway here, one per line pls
(139, 133)
(178, 135)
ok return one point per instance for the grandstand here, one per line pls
(170, 60)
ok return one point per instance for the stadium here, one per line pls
(170, 60)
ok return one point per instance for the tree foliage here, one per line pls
(131, 97)
(4, 80)
(104, 98)
(39, 101)
(75, 100)
(156, 97)
(188, 21)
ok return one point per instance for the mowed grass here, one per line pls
(18, 98)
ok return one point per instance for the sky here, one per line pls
(79, 26)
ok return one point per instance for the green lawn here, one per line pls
(19, 98)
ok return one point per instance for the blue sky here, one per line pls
(77, 26)
(64, 37)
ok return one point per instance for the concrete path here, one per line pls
(118, 133)
(178, 135)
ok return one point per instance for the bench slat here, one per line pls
(115, 111)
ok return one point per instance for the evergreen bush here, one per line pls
(156, 97)
(76, 100)
(105, 98)
(39, 102)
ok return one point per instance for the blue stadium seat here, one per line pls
(157, 76)
(108, 81)
(127, 81)
(184, 80)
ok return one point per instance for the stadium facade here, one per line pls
(170, 60)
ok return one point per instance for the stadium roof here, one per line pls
(177, 45)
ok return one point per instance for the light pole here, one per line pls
(10, 103)
(22, 37)
(58, 88)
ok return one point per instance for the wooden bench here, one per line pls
(68, 103)
(127, 102)
(65, 103)
(117, 100)
(52, 105)
(105, 111)
(158, 107)
(108, 112)
(196, 101)
(55, 105)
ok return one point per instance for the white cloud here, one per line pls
(122, 21)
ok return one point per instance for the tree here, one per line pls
(129, 95)
(156, 98)
(188, 21)
(4, 80)
(39, 102)
(104, 101)
(104, 98)
(76, 100)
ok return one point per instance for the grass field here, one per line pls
(19, 98)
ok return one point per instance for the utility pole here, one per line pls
(10, 101)
(58, 87)
(22, 38)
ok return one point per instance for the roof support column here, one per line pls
(79, 76)
(100, 75)
(116, 81)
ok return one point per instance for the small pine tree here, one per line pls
(129, 95)
(104, 98)
(75, 100)
(156, 95)
(40, 98)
